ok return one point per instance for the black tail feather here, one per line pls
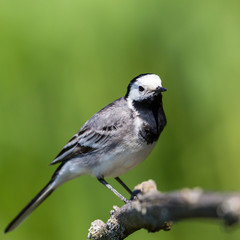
(30, 207)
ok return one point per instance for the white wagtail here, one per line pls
(111, 142)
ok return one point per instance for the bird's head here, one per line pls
(145, 87)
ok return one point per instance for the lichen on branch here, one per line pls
(154, 211)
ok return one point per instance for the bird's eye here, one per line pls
(140, 88)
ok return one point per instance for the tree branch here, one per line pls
(154, 211)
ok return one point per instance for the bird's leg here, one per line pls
(124, 185)
(102, 180)
(133, 194)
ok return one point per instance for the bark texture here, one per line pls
(156, 211)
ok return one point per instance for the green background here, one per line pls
(61, 61)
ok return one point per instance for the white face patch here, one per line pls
(147, 83)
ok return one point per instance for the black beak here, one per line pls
(160, 89)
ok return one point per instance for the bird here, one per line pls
(113, 141)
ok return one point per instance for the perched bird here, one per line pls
(113, 141)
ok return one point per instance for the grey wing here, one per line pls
(99, 131)
(85, 141)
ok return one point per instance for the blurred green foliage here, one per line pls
(61, 61)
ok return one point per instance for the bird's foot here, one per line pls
(134, 194)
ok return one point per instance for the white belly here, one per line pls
(122, 161)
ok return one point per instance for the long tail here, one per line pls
(36, 201)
